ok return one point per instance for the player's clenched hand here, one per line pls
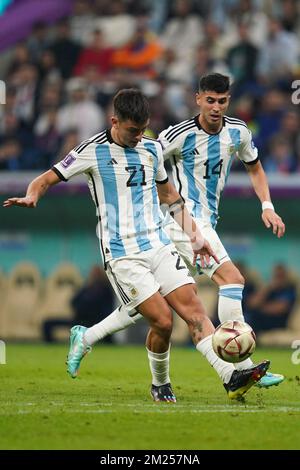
(271, 219)
(205, 253)
(26, 201)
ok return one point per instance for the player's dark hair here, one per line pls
(214, 82)
(131, 104)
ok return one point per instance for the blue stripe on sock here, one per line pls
(235, 293)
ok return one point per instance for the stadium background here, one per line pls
(58, 93)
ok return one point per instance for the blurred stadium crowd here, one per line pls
(60, 78)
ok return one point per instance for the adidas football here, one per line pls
(234, 341)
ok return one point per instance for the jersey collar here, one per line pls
(197, 123)
(111, 140)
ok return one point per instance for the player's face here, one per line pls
(213, 106)
(128, 133)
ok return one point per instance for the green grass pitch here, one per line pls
(109, 406)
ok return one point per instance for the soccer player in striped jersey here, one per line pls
(126, 177)
(201, 150)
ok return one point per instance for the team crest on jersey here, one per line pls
(68, 160)
(231, 149)
(134, 292)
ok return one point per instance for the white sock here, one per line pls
(230, 308)
(223, 369)
(118, 320)
(159, 366)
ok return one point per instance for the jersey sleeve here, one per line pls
(161, 174)
(169, 148)
(73, 164)
(247, 152)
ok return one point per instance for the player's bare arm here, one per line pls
(168, 195)
(36, 189)
(261, 188)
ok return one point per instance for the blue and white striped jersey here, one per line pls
(201, 162)
(122, 182)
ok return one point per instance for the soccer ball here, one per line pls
(234, 341)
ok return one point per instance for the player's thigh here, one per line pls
(157, 311)
(132, 280)
(170, 270)
(186, 303)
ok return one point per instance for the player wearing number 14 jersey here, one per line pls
(201, 151)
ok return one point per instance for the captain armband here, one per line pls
(176, 207)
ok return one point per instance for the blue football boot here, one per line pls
(269, 380)
(77, 350)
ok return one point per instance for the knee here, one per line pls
(235, 278)
(164, 322)
(239, 278)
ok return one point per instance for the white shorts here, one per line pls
(137, 277)
(183, 245)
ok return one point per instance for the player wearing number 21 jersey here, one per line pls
(122, 182)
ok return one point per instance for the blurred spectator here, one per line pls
(96, 55)
(65, 49)
(288, 11)
(118, 26)
(271, 305)
(20, 57)
(69, 141)
(237, 11)
(278, 57)
(217, 43)
(80, 112)
(183, 33)
(158, 14)
(139, 56)
(25, 80)
(268, 118)
(241, 58)
(82, 21)
(48, 137)
(48, 70)
(289, 128)
(14, 128)
(10, 154)
(281, 158)
(38, 40)
(93, 302)
(50, 96)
